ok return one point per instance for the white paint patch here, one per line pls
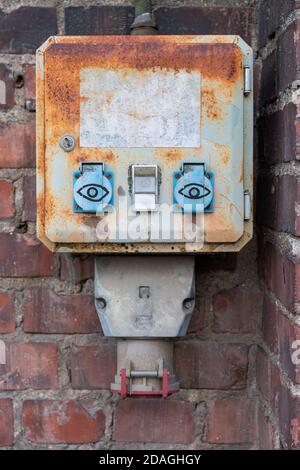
(155, 108)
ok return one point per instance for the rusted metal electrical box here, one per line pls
(144, 144)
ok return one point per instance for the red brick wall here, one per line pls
(54, 388)
(278, 197)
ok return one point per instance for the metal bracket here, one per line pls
(127, 374)
(247, 80)
(247, 205)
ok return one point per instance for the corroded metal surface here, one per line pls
(225, 134)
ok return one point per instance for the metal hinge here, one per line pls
(247, 206)
(247, 80)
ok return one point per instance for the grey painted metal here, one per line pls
(123, 312)
(138, 355)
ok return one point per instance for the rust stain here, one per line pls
(96, 154)
(171, 156)
(210, 104)
(224, 153)
(221, 61)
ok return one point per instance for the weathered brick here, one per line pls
(17, 143)
(93, 367)
(289, 418)
(281, 334)
(76, 268)
(107, 19)
(279, 198)
(7, 98)
(268, 379)
(7, 313)
(288, 59)
(29, 365)
(67, 422)
(270, 325)
(231, 421)
(7, 208)
(29, 192)
(26, 28)
(147, 420)
(29, 80)
(289, 347)
(6, 423)
(270, 14)
(265, 431)
(216, 262)
(282, 277)
(269, 79)
(198, 318)
(205, 20)
(47, 312)
(236, 310)
(21, 255)
(277, 135)
(195, 361)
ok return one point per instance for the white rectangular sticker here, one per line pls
(125, 108)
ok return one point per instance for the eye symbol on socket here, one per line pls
(194, 191)
(93, 192)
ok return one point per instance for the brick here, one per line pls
(29, 90)
(231, 421)
(17, 143)
(289, 418)
(7, 208)
(29, 365)
(147, 420)
(93, 367)
(270, 14)
(99, 20)
(282, 277)
(195, 361)
(289, 333)
(7, 313)
(269, 79)
(280, 334)
(280, 197)
(277, 136)
(281, 68)
(22, 255)
(29, 192)
(47, 312)
(7, 96)
(6, 423)
(23, 30)
(198, 318)
(205, 20)
(288, 58)
(236, 310)
(268, 379)
(66, 422)
(270, 325)
(265, 431)
(216, 262)
(76, 268)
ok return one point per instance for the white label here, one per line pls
(125, 108)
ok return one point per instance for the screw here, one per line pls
(188, 304)
(67, 143)
(101, 303)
